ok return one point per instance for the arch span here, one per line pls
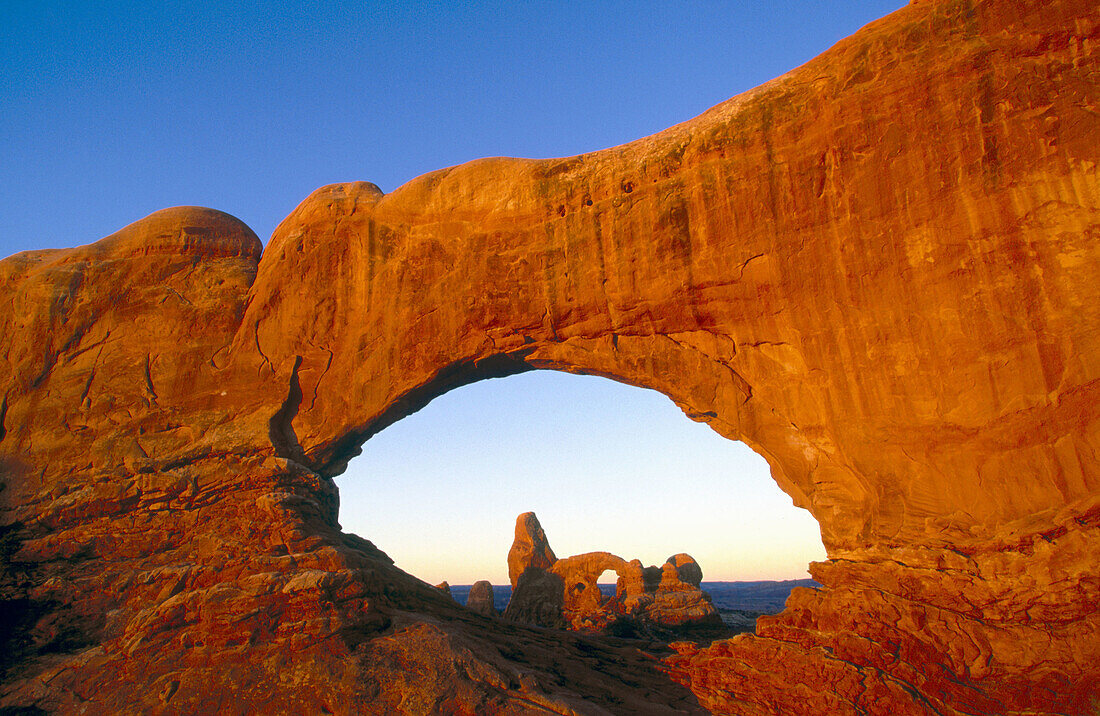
(878, 270)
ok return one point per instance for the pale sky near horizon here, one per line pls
(605, 466)
(112, 110)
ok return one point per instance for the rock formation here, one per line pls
(445, 588)
(529, 548)
(538, 599)
(480, 599)
(565, 592)
(678, 602)
(687, 569)
(879, 271)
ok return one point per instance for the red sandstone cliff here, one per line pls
(880, 271)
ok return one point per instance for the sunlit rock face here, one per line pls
(530, 549)
(648, 602)
(880, 271)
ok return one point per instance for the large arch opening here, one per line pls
(606, 466)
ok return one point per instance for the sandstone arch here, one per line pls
(580, 572)
(878, 270)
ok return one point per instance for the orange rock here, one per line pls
(529, 548)
(566, 593)
(678, 604)
(687, 569)
(878, 270)
(583, 606)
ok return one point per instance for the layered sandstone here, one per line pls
(152, 566)
(878, 270)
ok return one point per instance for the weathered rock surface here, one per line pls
(480, 599)
(687, 569)
(879, 270)
(679, 602)
(149, 566)
(648, 601)
(529, 548)
(538, 599)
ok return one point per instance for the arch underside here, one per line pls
(879, 271)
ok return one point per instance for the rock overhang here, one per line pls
(904, 326)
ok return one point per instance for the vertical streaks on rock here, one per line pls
(878, 270)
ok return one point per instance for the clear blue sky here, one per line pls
(109, 111)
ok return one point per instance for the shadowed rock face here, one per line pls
(480, 599)
(878, 270)
(687, 569)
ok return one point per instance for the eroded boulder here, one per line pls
(538, 599)
(687, 569)
(480, 599)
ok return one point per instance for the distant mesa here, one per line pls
(657, 602)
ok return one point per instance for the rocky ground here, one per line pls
(879, 271)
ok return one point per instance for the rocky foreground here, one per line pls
(880, 271)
